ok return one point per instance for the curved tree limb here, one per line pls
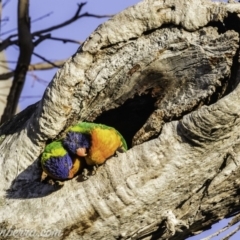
(185, 174)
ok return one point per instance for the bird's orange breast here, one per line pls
(104, 143)
(77, 166)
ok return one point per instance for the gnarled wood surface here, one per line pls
(165, 74)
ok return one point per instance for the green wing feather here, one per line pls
(124, 144)
(53, 149)
(82, 127)
(86, 128)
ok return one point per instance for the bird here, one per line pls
(84, 144)
(95, 142)
(57, 163)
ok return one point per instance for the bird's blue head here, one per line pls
(74, 140)
(58, 167)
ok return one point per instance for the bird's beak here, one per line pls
(81, 152)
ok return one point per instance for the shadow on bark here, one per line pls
(28, 185)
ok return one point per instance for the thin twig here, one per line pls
(42, 17)
(234, 220)
(46, 66)
(22, 98)
(5, 66)
(65, 40)
(41, 38)
(8, 61)
(38, 79)
(4, 21)
(6, 76)
(2, 101)
(216, 233)
(45, 60)
(72, 19)
(5, 3)
(34, 67)
(33, 21)
(8, 41)
(232, 233)
(9, 31)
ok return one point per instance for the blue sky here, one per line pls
(62, 10)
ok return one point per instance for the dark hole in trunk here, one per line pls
(129, 117)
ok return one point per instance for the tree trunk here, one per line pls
(165, 74)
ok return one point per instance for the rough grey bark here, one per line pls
(184, 57)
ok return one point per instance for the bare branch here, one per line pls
(14, 29)
(41, 38)
(8, 61)
(232, 233)
(216, 233)
(22, 98)
(11, 30)
(8, 41)
(44, 59)
(6, 76)
(4, 66)
(42, 17)
(26, 48)
(38, 79)
(65, 40)
(35, 20)
(71, 20)
(234, 220)
(5, 3)
(4, 21)
(45, 66)
(94, 15)
(34, 67)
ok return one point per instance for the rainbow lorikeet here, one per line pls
(85, 143)
(95, 142)
(57, 163)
